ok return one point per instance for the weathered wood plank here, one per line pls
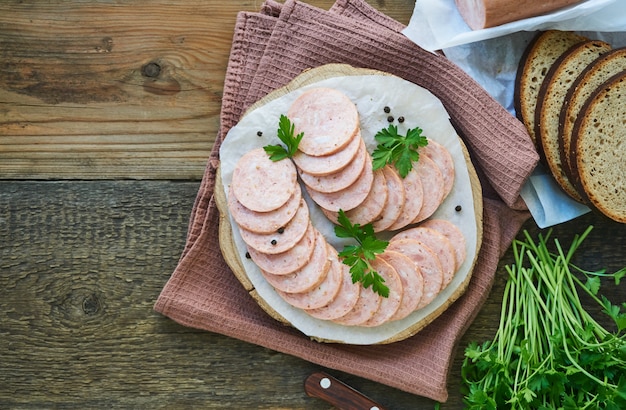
(127, 89)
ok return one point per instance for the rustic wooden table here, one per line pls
(108, 111)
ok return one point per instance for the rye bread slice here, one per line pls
(598, 148)
(563, 72)
(606, 66)
(537, 59)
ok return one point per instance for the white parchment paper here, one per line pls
(437, 24)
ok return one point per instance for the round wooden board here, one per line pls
(231, 252)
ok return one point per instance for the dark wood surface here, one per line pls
(89, 236)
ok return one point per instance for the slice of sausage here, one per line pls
(432, 185)
(388, 305)
(372, 207)
(413, 200)
(363, 310)
(328, 119)
(344, 302)
(264, 222)
(309, 276)
(261, 184)
(442, 157)
(395, 200)
(438, 243)
(479, 14)
(348, 198)
(341, 179)
(412, 282)
(282, 239)
(328, 164)
(428, 264)
(453, 233)
(290, 261)
(322, 294)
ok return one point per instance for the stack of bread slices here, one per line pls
(570, 93)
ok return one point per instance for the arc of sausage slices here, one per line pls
(265, 201)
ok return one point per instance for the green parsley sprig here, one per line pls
(286, 131)
(549, 352)
(358, 256)
(397, 149)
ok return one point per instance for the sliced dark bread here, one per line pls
(598, 148)
(540, 54)
(606, 66)
(564, 71)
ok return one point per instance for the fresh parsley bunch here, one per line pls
(548, 352)
(286, 131)
(358, 256)
(397, 149)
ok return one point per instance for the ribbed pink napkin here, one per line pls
(269, 49)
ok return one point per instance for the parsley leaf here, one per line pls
(397, 149)
(286, 130)
(358, 256)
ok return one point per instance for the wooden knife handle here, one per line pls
(340, 395)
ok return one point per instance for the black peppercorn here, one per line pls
(281, 230)
(259, 133)
(458, 208)
(274, 242)
(387, 109)
(390, 118)
(400, 119)
(248, 255)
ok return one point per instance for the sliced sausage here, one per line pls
(395, 200)
(290, 261)
(328, 119)
(348, 198)
(328, 164)
(322, 294)
(363, 310)
(388, 305)
(341, 179)
(309, 276)
(432, 185)
(438, 243)
(428, 264)
(264, 222)
(413, 200)
(442, 157)
(261, 184)
(453, 233)
(344, 302)
(412, 282)
(371, 208)
(282, 239)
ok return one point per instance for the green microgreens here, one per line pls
(397, 149)
(549, 352)
(286, 131)
(358, 256)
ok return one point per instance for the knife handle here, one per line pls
(340, 395)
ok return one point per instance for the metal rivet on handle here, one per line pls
(325, 383)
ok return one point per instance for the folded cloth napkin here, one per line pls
(269, 49)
